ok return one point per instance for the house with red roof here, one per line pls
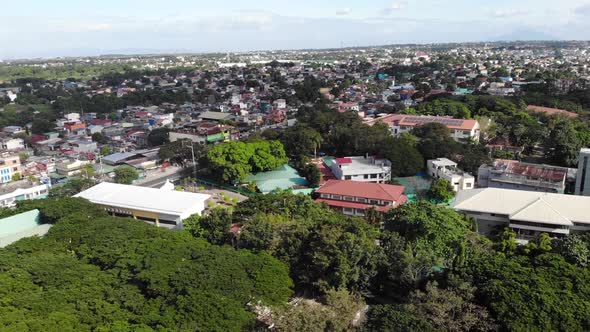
(353, 198)
(74, 126)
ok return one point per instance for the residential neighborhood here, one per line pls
(427, 186)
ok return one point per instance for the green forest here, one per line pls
(295, 266)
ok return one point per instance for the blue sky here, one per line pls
(41, 28)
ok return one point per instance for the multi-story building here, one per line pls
(361, 169)
(84, 146)
(527, 213)
(583, 176)
(70, 168)
(10, 195)
(443, 168)
(353, 198)
(9, 166)
(461, 130)
(512, 174)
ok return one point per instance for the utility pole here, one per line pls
(193, 155)
(101, 168)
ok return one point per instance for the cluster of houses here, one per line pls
(233, 100)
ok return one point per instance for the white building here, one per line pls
(583, 177)
(280, 104)
(13, 144)
(161, 207)
(443, 168)
(72, 117)
(527, 213)
(10, 196)
(360, 169)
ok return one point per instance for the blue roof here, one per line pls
(118, 157)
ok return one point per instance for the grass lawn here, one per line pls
(42, 108)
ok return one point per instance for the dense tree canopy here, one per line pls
(93, 272)
(234, 161)
(158, 136)
(125, 175)
(445, 107)
(441, 190)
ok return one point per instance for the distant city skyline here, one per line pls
(39, 28)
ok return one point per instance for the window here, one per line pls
(366, 176)
(468, 185)
(373, 176)
(337, 197)
(348, 177)
(350, 199)
(374, 202)
(348, 210)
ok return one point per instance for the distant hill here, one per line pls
(524, 34)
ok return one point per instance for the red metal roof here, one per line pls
(344, 161)
(540, 172)
(386, 192)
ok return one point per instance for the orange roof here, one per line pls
(386, 192)
(417, 120)
(551, 111)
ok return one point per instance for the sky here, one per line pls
(42, 28)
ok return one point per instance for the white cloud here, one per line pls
(395, 6)
(510, 12)
(344, 12)
(81, 25)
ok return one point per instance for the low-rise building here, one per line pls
(512, 174)
(71, 127)
(461, 130)
(84, 146)
(70, 167)
(443, 168)
(361, 169)
(11, 194)
(527, 213)
(13, 130)
(353, 198)
(157, 206)
(12, 144)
